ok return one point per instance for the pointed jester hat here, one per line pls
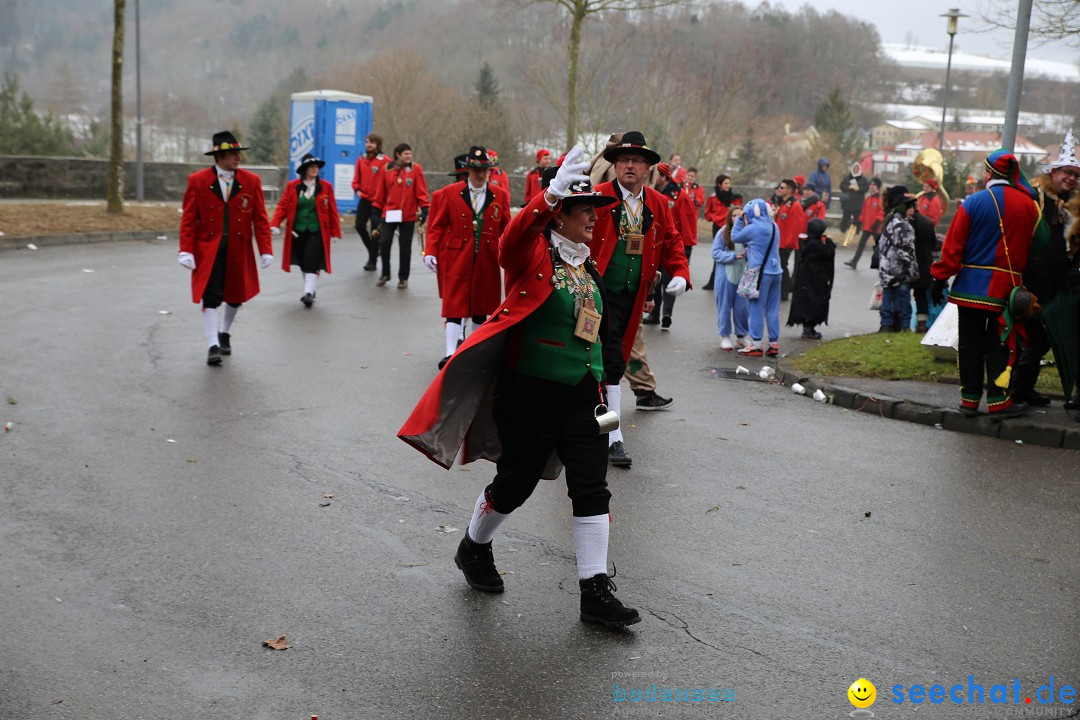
(1003, 165)
(1067, 156)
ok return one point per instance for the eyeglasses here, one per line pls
(630, 161)
(1071, 174)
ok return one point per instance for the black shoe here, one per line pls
(651, 319)
(371, 265)
(968, 412)
(1031, 397)
(308, 300)
(811, 334)
(1016, 409)
(618, 456)
(223, 343)
(442, 363)
(665, 322)
(1073, 403)
(851, 264)
(478, 564)
(383, 280)
(213, 357)
(652, 401)
(599, 605)
(707, 286)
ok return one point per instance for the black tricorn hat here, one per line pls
(632, 142)
(224, 141)
(581, 193)
(459, 166)
(308, 159)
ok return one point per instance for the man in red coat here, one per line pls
(370, 168)
(694, 189)
(872, 221)
(930, 202)
(223, 264)
(463, 248)
(684, 214)
(791, 220)
(631, 241)
(403, 198)
(532, 180)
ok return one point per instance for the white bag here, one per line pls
(943, 337)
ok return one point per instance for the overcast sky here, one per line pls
(897, 22)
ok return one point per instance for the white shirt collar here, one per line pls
(997, 181)
(627, 195)
(573, 253)
(228, 174)
(476, 190)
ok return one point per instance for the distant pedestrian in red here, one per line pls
(872, 221)
(532, 180)
(367, 178)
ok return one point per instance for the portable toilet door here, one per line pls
(331, 125)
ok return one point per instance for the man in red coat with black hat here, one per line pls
(631, 241)
(222, 263)
(463, 248)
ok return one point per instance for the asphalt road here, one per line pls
(160, 519)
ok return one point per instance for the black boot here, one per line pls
(224, 341)
(598, 605)
(478, 564)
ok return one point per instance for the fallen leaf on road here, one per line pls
(744, 424)
(740, 487)
(328, 496)
(278, 644)
(446, 529)
(714, 507)
(324, 504)
(866, 514)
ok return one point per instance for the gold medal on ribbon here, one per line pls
(634, 243)
(588, 323)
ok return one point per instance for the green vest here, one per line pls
(306, 219)
(544, 344)
(623, 274)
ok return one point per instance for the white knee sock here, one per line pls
(453, 337)
(230, 315)
(310, 281)
(210, 324)
(590, 542)
(614, 401)
(485, 521)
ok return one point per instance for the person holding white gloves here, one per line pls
(632, 240)
(222, 264)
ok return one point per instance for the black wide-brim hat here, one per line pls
(898, 195)
(223, 142)
(632, 142)
(581, 193)
(459, 166)
(309, 159)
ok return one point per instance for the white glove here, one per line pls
(334, 239)
(187, 260)
(676, 287)
(266, 260)
(431, 262)
(275, 230)
(575, 169)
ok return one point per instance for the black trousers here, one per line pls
(536, 417)
(862, 245)
(367, 215)
(618, 307)
(980, 353)
(1026, 372)
(785, 280)
(404, 247)
(214, 292)
(308, 252)
(850, 216)
(668, 301)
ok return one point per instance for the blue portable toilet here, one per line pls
(331, 125)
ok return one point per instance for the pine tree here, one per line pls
(487, 87)
(267, 132)
(749, 165)
(23, 131)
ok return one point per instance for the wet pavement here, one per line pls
(160, 519)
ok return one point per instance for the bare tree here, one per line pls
(116, 144)
(580, 11)
(1051, 20)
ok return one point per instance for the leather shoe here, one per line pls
(308, 300)
(370, 266)
(1073, 403)
(383, 280)
(617, 455)
(213, 357)
(442, 363)
(477, 563)
(599, 605)
(1031, 397)
(223, 341)
(1016, 409)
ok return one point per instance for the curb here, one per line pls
(1025, 430)
(21, 241)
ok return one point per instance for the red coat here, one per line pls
(532, 183)
(697, 194)
(454, 417)
(716, 212)
(679, 175)
(662, 248)
(201, 228)
(403, 189)
(930, 206)
(816, 210)
(791, 220)
(325, 208)
(872, 216)
(368, 175)
(684, 213)
(470, 283)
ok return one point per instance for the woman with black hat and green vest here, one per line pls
(524, 389)
(310, 213)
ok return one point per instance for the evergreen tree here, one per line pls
(487, 87)
(749, 163)
(836, 124)
(269, 137)
(23, 131)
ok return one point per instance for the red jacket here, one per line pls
(816, 210)
(716, 212)
(532, 183)
(499, 179)
(470, 282)
(697, 194)
(684, 213)
(325, 208)
(930, 206)
(663, 248)
(872, 216)
(368, 175)
(403, 189)
(790, 220)
(454, 417)
(201, 228)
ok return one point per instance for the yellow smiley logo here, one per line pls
(862, 693)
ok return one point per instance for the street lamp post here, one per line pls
(138, 111)
(953, 15)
